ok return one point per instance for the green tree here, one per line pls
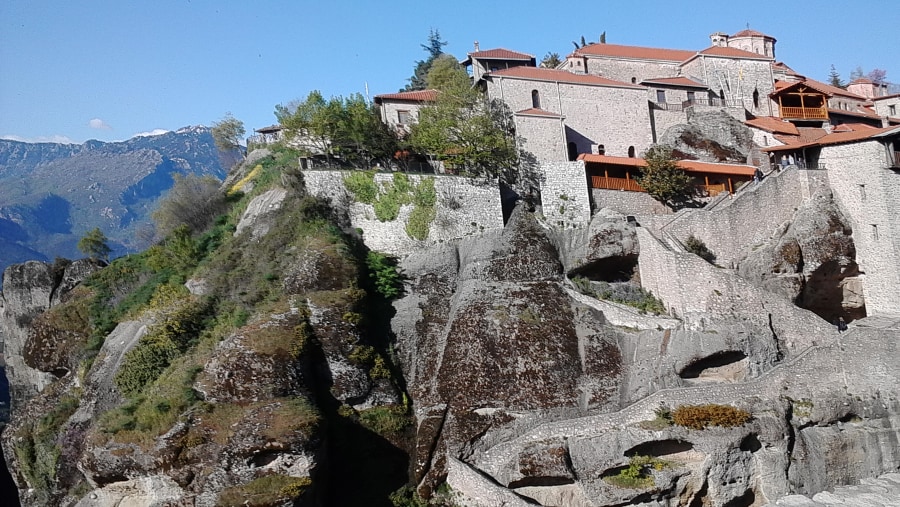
(361, 135)
(94, 245)
(834, 78)
(466, 132)
(228, 134)
(663, 179)
(446, 74)
(313, 123)
(193, 201)
(551, 61)
(434, 47)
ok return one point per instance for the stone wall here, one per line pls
(463, 209)
(734, 226)
(695, 290)
(869, 195)
(628, 203)
(661, 120)
(614, 116)
(625, 70)
(390, 114)
(542, 136)
(564, 194)
(738, 78)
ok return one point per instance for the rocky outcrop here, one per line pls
(710, 136)
(30, 289)
(812, 261)
(606, 249)
(261, 205)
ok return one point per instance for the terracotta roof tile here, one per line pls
(851, 127)
(413, 96)
(676, 81)
(501, 54)
(805, 137)
(864, 113)
(687, 165)
(751, 33)
(636, 52)
(840, 137)
(732, 53)
(886, 97)
(542, 74)
(534, 111)
(774, 125)
(834, 90)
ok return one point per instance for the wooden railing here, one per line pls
(615, 184)
(815, 113)
(896, 161)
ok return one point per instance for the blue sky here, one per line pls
(77, 70)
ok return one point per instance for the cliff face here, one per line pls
(264, 362)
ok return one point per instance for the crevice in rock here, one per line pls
(699, 499)
(745, 500)
(659, 448)
(608, 269)
(750, 443)
(727, 365)
(540, 481)
(262, 459)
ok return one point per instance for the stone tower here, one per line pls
(753, 42)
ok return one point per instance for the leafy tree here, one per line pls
(193, 201)
(551, 61)
(94, 245)
(362, 136)
(877, 76)
(434, 48)
(312, 123)
(857, 73)
(663, 179)
(446, 74)
(834, 78)
(465, 131)
(228, 134)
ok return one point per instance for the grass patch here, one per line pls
(264, 491)
(700, 417)
(386, 421)
(638, 473)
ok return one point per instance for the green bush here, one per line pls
(386, 421)
(362, 185)
(419, 224)
(699, 417)
(697, 247)
(637, 474)
(385, 274)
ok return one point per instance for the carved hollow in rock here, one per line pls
(660, 448)
(609, 269)
(750, 443)
(745, 500)
(540, 481)
(724, 366)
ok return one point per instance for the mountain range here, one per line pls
(51, 194)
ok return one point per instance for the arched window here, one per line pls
(631, 152)
(535, 99)
(722, 94)
(573, 151)
(633, 80)
(756, 99)
(601, 150)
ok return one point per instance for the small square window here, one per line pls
(403, 117)
(892, 110)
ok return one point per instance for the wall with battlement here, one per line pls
(463, 209)
(734, 226)
(564, 194)
(868, 193)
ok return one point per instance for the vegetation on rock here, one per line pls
(698, 417)
(95, 245)
(697, 247)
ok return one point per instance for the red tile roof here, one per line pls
(840, 137)
(819, 86)
(676, 81)
(805, 137)
(501, 54)
(733, 53)
(861, 80)
(534, 111)
(562, 76)
(751, 33)
(886, 97)
(774, 125)
(863, 113)
(636, 52)
(687, 165)
(413, 96)
(851, 127)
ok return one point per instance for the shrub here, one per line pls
(699, 417)
(637, 473)
(385, 274)
(386, 421)
(362, 185)
(419, 224)
(264, 491)
(193, 201)
(697, 247)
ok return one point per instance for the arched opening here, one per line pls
(723, 366)
(601, 150)
(633, 80)
(535, 99)
(573, 151)
(756, 99)
(631, 152)
(722, 94)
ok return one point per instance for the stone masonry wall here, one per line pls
(743, 77)
(624, 70)
(628, 203)
(564, 194)
(616, 117)
(869, 195)
(733, 227)
(662, 120)
(544, 137)
(390, 114)
(692, 289)
(463, 209)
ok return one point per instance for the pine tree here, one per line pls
(834, 78)
(663, 179)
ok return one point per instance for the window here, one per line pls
(535, 99)
(601, 150)
(573, 151)
(892, 110)
(756, 99)
(403, 117)
(765, 140)
(661, 96)
(633, 80)
(690, 96)
(875, 232)
(631, 152)
(862, 192)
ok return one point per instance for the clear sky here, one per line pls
(90, 69)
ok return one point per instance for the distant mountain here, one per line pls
(50, 194)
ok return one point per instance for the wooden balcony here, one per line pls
(711, 190)
(608, 183)
(804, 113)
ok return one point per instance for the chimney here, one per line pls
(476, 47)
